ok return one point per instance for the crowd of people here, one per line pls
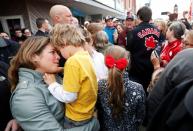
(121, 75)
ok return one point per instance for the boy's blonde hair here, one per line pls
(66, 34)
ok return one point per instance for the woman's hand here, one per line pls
(155, 60)
(49, 78)
(12, 125)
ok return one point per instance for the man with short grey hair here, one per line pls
(61, 14)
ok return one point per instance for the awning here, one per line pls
(77, 12)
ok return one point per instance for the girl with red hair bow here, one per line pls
(121, 102)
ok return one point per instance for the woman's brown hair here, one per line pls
(115, 80)
(93, 28)
(101, 39)
(30, 47)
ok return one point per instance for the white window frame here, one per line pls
(3, 20)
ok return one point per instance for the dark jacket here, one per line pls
(19, 39)
(170, 90)
(181, 118)
(5, 93)
(140, 44)
(8, 48)
(167, 112)
(41, 33)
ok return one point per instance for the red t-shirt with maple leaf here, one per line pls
(170, 50)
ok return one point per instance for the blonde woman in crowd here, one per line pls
(93, 28)
(99, 37)
(101, 41)
(162, 26)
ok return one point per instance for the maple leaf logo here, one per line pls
(150, 42)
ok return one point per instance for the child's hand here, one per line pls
(115, 36)
(49, 78)
(60, 69)
(164, 62)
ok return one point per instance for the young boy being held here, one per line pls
(79, 90)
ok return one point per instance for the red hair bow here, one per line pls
(110, 62)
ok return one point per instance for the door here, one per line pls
(10, 23)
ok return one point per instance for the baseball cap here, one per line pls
(108, 17)
(115, 19)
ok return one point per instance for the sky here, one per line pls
(159, 6)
